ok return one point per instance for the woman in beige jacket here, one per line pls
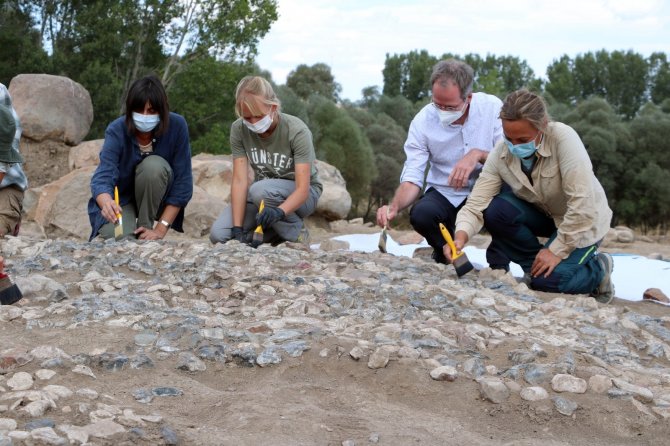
(539, 182)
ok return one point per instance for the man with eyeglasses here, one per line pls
(452, 136)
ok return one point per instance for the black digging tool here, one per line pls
(9, 292)
(257, 238)
(460, 261)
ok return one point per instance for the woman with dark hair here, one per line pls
(539, 182)
(147, 156)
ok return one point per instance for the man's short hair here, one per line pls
(456, 71)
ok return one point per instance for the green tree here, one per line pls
(317, 79)
(659, 77)
(20, 44)
(209, 116)
(399, 108)
(408, 75)
(622, 78)
(132, 38)
(499, 75)
(292, 104)
(339, 141)
(609, 144)
(561, 85)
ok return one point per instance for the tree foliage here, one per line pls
(317, 79)
(107, 44)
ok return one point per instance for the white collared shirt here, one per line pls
(428, 141)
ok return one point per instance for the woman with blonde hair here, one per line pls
(279, 149)
(539, 182)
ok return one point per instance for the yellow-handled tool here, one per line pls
(118, 226)
(257, 237)
(460, 261)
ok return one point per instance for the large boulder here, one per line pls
(52, 107)
(201, 212)
(214, 173)
(61, 207)
(335, 201)
(85, 154)
(45, 161)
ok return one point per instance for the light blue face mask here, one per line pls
(145, 123)
(523, 151)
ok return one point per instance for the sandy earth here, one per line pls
(317, 400)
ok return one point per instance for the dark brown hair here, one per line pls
(148, 88)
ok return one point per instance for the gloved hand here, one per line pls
(269, 216)
(237, 233)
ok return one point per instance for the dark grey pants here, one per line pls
(152, 180)
(274, 192)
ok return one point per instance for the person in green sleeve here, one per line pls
(279, 149)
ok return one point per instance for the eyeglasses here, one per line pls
(449, 108)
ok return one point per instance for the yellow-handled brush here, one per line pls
(118, 226)
(257, 238)
(460, 261)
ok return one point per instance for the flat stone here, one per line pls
(47, 436)
(640, 393)
(494, 391)
(565, 406)
(379, 359)
(357, 353)
(45, 374)
(87, 393)
(534, 393)
(600, 383)
(76, 434)
(20, 381)
(104, 429)
(444, 373)
(7, 424)
(83, 370)
(568, 383)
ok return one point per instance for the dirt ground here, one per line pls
(326, 398)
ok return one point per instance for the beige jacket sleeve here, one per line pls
(470, 218)
(578, 224)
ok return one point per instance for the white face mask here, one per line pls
(260, 126)
(145, 123)
(449, 117)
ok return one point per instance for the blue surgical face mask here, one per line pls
(523, 150)
(145, 123)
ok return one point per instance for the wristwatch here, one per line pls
(165, 223)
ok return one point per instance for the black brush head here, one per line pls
(462, 265)
(256, 240)
(10, 295)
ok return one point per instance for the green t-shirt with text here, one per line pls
(276, 155)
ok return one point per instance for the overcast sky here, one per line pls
(354, 36)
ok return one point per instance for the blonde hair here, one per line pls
(251, 91)
(524, 104)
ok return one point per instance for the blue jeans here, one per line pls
(515, 226)
(274, 192)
